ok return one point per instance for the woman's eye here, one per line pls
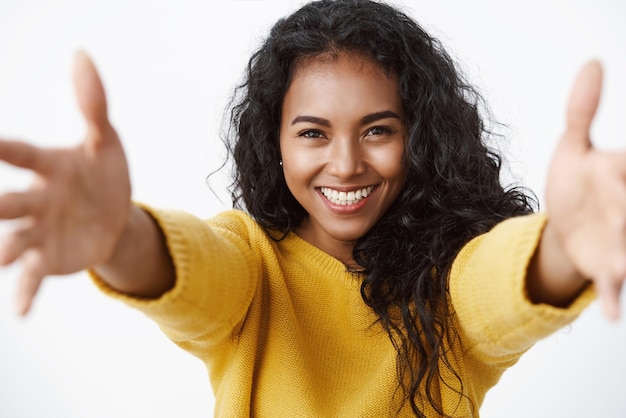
(310, 134)
(379, 130)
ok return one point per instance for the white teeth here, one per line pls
(346, 198)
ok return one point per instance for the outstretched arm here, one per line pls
(584, 239)
(77, 213)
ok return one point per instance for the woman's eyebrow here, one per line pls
(379, 115)
(312, 119)
(365, 120)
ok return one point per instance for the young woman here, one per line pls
(375, 265)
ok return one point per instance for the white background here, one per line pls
(168, 68)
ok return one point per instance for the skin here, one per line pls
(77, 214)
(585, 238)
(342, 129)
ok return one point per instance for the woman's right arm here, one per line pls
(77, 214)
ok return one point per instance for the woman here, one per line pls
(354, 135)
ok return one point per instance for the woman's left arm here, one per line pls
(584, 239)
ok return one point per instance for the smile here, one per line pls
(342, 198)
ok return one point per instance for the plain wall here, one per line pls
(169, 68)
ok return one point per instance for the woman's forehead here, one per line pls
(341, 88)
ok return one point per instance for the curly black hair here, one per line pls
(452, 192)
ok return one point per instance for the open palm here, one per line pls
(72, 215)
(586, 195)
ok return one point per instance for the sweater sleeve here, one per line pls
(215, 280)
(488, 292)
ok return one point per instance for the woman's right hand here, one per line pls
(75, 211)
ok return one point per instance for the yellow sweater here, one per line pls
(283, 330)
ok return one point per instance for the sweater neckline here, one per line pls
(309, 252)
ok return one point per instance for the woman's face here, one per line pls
(342, 139)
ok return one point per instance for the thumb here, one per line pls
(90, 93)
(583, 103)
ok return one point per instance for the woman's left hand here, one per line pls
(586, 197)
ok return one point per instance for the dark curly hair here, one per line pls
(452, 192)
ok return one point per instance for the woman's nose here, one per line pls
(346, 158)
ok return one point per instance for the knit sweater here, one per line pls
(283, 330)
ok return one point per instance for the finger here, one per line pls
(90, 95)
(583, 104)
(23, 155)
(18, 204)
(16, 243)
(29, 282)
(609, 295)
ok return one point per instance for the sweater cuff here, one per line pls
(170, 223)
(488, 291)
(212, 266)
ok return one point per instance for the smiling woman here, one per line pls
(342, 139)
(336, 66)
(376, 264)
